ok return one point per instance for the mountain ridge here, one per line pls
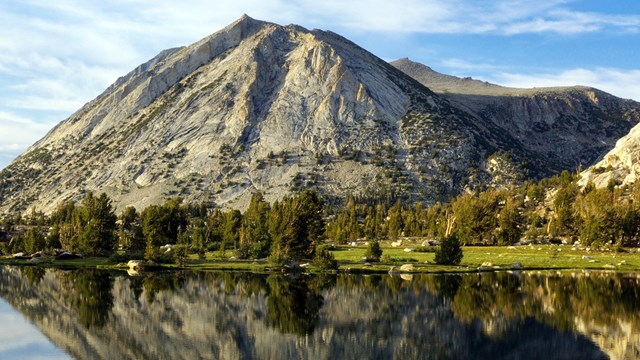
(261, 107)
(583, 121)
(443, 83)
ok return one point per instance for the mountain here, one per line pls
(259, 106)
(620, 165)
(563, 127)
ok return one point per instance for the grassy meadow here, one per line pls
(485, 258)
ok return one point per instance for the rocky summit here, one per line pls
(262, 107)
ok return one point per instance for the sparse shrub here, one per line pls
(121, 258)
(426, 249)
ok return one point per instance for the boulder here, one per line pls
(291, 266)
(134, 264)
(67, 256)
(407, 277)
(516, 266)
(431, 242)
(408, 250)
(407, 267)
(132, 272)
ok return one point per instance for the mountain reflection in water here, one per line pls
(189, 315)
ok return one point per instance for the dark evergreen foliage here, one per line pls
(374, 252)
(324, 259)
(450, 252)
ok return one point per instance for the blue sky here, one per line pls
(57, 55)
(19, 339)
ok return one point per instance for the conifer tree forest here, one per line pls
(299, 227)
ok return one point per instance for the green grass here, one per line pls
(538, 257)
(501, 258)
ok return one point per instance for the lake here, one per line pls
(93, 314)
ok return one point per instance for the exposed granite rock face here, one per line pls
(564, 127)
(620, 165)
(258, 106)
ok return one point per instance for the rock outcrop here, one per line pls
(563, 127)
(620, 166)
(263, 107)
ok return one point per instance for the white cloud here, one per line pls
(18, 131)
(621, 83)
(506, 17)
(459, 64)
(57, 55)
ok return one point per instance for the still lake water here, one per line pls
(91, 314)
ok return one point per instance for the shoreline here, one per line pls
(476, 259)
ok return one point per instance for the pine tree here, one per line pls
(511, 222)
(254, 237)
(324, 259)
(98, 225)
(396, 223)
(450, 251)
(34, 240)
(130, 231)
(374, 252)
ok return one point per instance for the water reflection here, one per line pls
(293, 305)
(184, 315)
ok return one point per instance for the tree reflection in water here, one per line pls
(89, 293)
(605, 299)
(293, 306)
(33, 273)
(241, 315)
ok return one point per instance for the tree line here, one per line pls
(296, 227)
(552, 209)
(289, 229)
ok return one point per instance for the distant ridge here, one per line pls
(566, 127)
